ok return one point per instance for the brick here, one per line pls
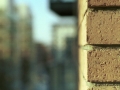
(104, 65)
(104, 3)
(113, 87)
(103, 27)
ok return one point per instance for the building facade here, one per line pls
(8, 74)
(25, 44)
(64, 74)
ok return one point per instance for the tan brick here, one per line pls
(105, 88)
(103, 27)
(104, 3)
(104, 65)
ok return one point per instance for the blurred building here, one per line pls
(42, 67)
(24, 26)
(5, 30)
(71, 65)
(42, 57)
(7, 76)
(25, 42)
(64, 70)
(60, 33)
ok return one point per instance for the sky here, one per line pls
(43, 19)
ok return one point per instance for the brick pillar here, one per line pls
(99, 41)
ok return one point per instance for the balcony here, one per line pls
(64, 7)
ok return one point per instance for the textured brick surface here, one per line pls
(104, 3)
(105, 88)
(103, 27)
(104, 65)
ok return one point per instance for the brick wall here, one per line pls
(99, 41)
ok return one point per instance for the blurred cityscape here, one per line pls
(29, 65)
